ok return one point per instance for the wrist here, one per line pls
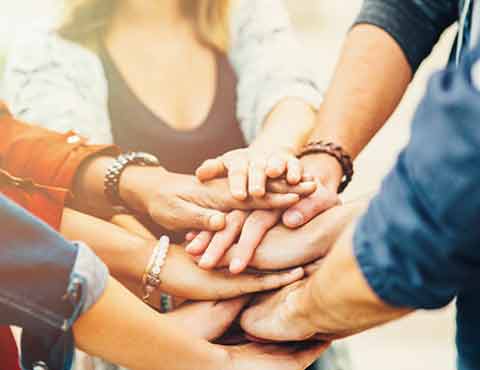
(89, 179)
(135, 185)
(324, 168)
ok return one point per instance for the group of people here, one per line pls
(173, 201)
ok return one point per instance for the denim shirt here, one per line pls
(45, 285)
(418, 243)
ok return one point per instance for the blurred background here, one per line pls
(419, 342)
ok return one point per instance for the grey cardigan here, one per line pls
(62, 86)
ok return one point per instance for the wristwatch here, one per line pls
(114, 172)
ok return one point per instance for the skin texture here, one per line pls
(270, 156)
(278, 247)
(177, 201)
(104, 332)
(126, 255)
(306, 309)
(357, 104)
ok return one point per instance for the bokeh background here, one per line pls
(423, 340)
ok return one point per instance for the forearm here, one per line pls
(349, 305)
(369, 82)
(149, 342)
(288, 126)
(124, 253)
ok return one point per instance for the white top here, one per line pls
(62, 86)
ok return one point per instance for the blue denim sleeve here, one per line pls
(416, 25)
(417, 245)
(45, 281)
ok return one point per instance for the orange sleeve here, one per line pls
(46, 157)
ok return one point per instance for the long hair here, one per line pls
(86, 19)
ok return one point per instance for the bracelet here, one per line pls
(114, 172)
(337, 152)
(151, 277)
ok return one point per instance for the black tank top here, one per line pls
(136, 128)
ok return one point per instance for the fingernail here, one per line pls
(236, 266)
(239, 195)
(296, 271)
(294, 218)
(191, 247)
(258, 191)
(217, 222)
(206, 261)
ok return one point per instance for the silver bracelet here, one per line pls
(151, 277)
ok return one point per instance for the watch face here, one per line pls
(149, 159)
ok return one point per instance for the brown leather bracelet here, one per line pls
(335, 151)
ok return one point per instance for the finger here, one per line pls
(197, 217)
(254, 229)
(308, 208)
(276, 167)
(229, 309)
(303, 189)
(223, 240)
(294, 171)
(191, 235)
(257, 178)
(312, 268)
(210, 169)
(251, 283)
(237, 178)
(198, 245)
(270, 201)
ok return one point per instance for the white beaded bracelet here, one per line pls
(151, 277)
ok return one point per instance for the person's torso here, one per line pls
(135, 127)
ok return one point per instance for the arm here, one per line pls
(378, 60)
(127, 255)
(277, 98)
(153, 341)
(416, 247)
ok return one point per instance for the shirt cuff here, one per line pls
(95, 273)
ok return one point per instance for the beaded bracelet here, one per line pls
(151, 277)
(335, 151)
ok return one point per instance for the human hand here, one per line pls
(249, 169)
(248, 228)
(271, 357)
(283, 248)
(179, 202)
(208, 320)
(327, 173)
(181, 277)
(282, 316)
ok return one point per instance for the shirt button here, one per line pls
(73, 139)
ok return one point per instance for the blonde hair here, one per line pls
(85, 20)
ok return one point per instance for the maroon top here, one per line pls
(136, 128)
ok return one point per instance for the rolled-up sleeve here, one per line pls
(417, 245)
(416, 25)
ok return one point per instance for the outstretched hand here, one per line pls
(181, 202)
(249, 169)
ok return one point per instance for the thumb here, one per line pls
(210, 169)
(192, 216)
(302, 212)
